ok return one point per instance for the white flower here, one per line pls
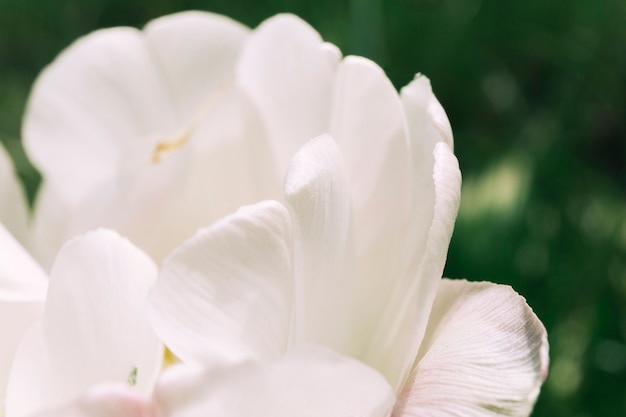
(160, 132)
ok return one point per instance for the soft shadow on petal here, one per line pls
(289, 72)
(404, 322)
(95, 327)
(197, 52)
(309, 382)
(485, 353)
(22, 292)
(227, 293)
(369, 126)
(99, 106)
(104, 401)
(317, 191)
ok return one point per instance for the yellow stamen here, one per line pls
(169, 358)
(170, 145)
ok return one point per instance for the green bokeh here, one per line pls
(536, 93)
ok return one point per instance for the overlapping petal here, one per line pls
(317, 190)
(485, 354)
(126, 122)
(227, 293)
(95, 327)
(402, 326)
(289, 73)
(307, 382)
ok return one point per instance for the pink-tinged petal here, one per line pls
(227, 293)
(105, 401)
(288, 72)
(317, 191)
(197, 52)
(307, 382)
(13, 209)
(98, 109)
(95, 327)
(22, 292)
(485, 353)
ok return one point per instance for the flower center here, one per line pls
(171, 144)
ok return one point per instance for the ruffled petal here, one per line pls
(308, 382)
(227, 293)
(289, 72)
(95, 327)
(317, 191)
(13, 209)
(485, 353)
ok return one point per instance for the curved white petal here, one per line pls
(370, 128)
(404, 322)
(317, 191)
(289, 72)
(485, 354)
(227, 292)
(197, 52)
(163, 161)
(95, 327)
(22, 292)
(309, 382)
(97, 109)
(187, 190)
(13, 208)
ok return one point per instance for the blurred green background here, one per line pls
(536, 93)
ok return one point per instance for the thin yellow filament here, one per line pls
(170, 145)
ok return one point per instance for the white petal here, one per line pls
(369, 125)
(288, 71)
(95, 326)
(227, 292)
(13, 209)
(317, 190)
(404, 322)
(197, 52)
(485, 354)
(187, 190)
(104, 401)
(22, 291)
(307, 383)
(97, 109)
(31, 385)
